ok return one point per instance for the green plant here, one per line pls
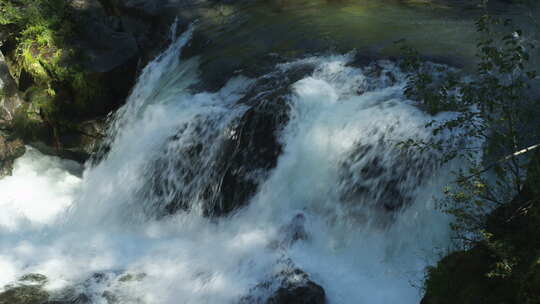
(495, 201)
(494, 107)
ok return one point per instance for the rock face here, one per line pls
(57, 95)
(10, 100)
(9, 151)
(119, 36)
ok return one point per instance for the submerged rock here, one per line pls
(291, 233)
(100, 287)
(294, 231)
(383, 184)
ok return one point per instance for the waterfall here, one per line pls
(204, 196)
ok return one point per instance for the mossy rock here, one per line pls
(462, 278)
(24, 295)
(29, 290)
(505, 267)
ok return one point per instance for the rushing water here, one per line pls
(367, 207)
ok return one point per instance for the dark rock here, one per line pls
(297, 287)
(294, 231)
(308, 293)
(248, 148)
(148, 22)
(290, 286)
(385, 185)
(78, 142)
(253, 147)
(10, 149)
(221, 166)
(109, 51)
(103, 41)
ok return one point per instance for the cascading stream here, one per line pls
(321, 187)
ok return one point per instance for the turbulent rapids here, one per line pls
(273, 183)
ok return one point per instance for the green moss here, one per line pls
(44, 28)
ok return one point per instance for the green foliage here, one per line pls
(495, 202)
(460, 278)
(9, 14)
(42, 28)
(42, 31)
(495, 108)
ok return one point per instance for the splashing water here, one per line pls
(369, 227)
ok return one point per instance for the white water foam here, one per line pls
(187, 258)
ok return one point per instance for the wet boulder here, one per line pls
(10, 149)
(290, 285)
(218, 169)
(216, 163)
(252, 149)
(291, 233)
(380, 179)
(100, 287)
(28, 290)
(305, 293)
